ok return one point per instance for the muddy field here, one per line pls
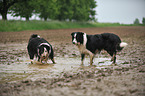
(67, 77)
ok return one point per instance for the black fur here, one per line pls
(34, 46)
(107, 41)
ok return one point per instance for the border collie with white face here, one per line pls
(91, 44)
(40, 48)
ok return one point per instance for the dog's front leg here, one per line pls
(91, 58)
(53, 61)
(32, 61)
(82, 59)
(40, 60)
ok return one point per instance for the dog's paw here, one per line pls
(31, 61)
(43, 62)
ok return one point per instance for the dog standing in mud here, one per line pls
(92, 44)
(40, 48)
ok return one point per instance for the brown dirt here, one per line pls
(126, 79)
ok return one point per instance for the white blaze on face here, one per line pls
(45, 53)
(74, 39)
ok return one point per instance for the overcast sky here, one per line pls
(121, 11)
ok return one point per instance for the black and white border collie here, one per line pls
(40, 48)
(92, 44)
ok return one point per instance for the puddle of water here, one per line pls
(24, 69)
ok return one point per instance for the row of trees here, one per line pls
(136, 21)
(78, 10)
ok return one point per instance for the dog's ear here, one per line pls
(82, 33)
(39, 50)
(48, 48)
(72, 34)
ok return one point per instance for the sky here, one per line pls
(121, 11)
(115, 11)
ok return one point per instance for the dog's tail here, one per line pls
(34, 36)
(121, 46)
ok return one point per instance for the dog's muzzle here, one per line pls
(43, 57)
(76, 43)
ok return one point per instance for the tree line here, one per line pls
(71, 10)
(136, 21)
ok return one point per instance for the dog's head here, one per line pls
(44, 52)
(79, 38)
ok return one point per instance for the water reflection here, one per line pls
(25, 69)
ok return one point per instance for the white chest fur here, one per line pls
(82, 47)
(83, 50)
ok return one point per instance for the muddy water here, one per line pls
(15, 64)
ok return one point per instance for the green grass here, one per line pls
(16, 25)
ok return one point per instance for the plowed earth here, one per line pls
(68, 78)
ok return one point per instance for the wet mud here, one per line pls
(15, 63)
(18, 77)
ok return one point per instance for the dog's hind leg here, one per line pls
(114, 58)
(98, 52)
